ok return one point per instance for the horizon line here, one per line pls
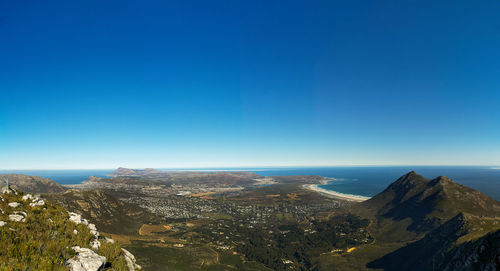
(262, 167)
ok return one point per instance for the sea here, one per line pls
(363, 181)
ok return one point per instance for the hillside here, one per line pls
(37, 235)
(422, 224)
(445, 249)
(108, 212)
(414, 205)
(31, 184)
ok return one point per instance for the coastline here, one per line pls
(333, 194)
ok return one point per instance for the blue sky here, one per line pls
(101, 84)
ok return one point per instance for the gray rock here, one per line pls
(86, 260)
(16, 218)
(76, 218)
(130, 259)
(27, 197)
(37, 202)
(95, 244)
(14, 204)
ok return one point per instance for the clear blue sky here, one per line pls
(101, 84)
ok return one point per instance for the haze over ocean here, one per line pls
(364, 181)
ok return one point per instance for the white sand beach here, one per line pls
(333, 194)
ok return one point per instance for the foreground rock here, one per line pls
(86, 260)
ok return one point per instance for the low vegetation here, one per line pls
(43, 240)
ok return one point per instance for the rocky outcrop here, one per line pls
(37, 202)
(33, 200)
(77, 219)
(18, 216)
(129, 257)
(86, 260)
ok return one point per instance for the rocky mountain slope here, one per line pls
(413, 206)
(31, 184)
(445, 249)
(431, 225)
(37, 235)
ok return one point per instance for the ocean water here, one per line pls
(368, 181)
(364, 181)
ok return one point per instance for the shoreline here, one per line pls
(334, 194)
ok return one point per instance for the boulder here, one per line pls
(16, 218)
(76, 218)
(130, 259)
(86, 260)
(27, 197)
(3, 223)
(14, 204)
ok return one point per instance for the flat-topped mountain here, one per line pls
(133, 172)
(31, 184)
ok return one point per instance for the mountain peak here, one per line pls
(442, 180)
(411, 181)
(412, 175)
(428, 203)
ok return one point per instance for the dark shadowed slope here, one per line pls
(109, 213)
(446, 248)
